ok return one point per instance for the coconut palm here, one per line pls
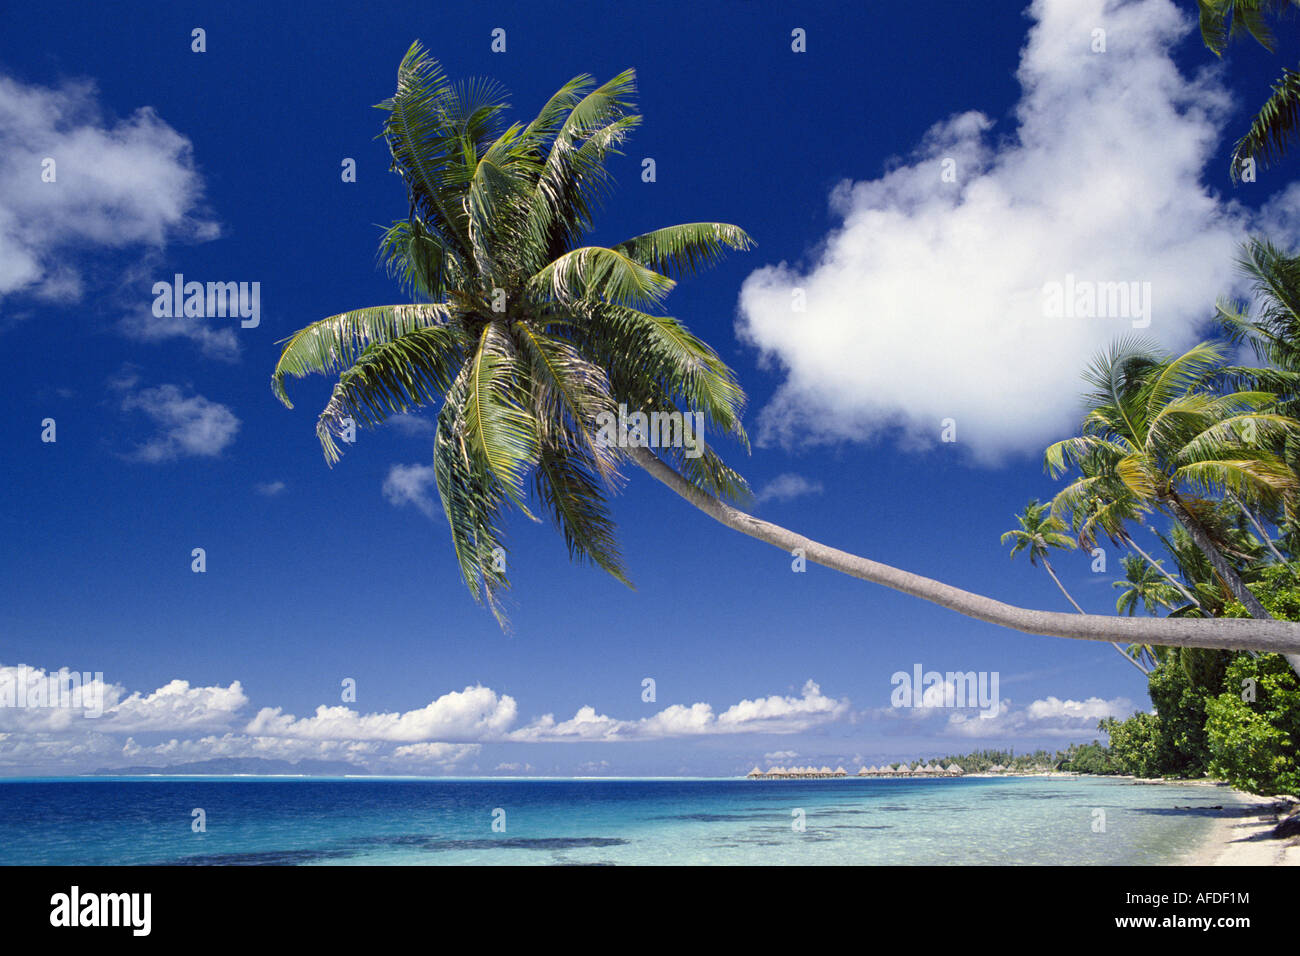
(1272, 328)
(1153, 428)
(1222, 20)
(1145, 587)
(1039, 532)
(530, 341)
(1275, 125)
(1099, 503)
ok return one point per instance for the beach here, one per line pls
(1241, 834)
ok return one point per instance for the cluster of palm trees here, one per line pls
(521, 337)
(1211, 447)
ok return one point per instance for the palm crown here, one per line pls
(1158, 438)
(525, 336)
(1039, 531)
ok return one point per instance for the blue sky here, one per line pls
(225, 166)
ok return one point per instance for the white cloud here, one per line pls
(474, 713)
(217, 343)
(270, 488)
(88, 703)
(787, 487)
(118, 184)
(1051, 717)
(412, 425)
(927, 302)
(187, 723)
(409, 485)
(175, 706)
(186, 426)
(764, 715)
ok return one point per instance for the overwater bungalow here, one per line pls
(921, 769)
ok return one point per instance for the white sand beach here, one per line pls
(1242, 836)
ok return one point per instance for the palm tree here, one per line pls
(1275, 125)
(1221, 20)
(1144, 586)
(529, 339)
(1100, 502)
(1272, 331)
(1153, 428)
(1040, 531)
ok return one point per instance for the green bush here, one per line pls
(1134, 744)
(1253, 743)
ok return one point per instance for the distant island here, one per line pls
(219, 766)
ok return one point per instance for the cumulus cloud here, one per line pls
(787, 487)
(1050, 717)
(927, 302)
(35, 700)
(269, 489)
(768, 715)
(185, 426)
(471, 714)
(117, 184)
(409, 485)
(185, 723)
(217, 343)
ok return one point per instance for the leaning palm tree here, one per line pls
(1154, 429)
(530, 341)
(1039, 532)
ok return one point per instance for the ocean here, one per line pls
(342, 821)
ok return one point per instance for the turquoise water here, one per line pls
(306, 821)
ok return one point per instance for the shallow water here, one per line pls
(303, 821)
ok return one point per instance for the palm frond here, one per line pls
(336, 342)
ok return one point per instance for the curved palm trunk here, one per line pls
(1047, 566)
(1227, 633)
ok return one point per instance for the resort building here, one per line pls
(826, 773)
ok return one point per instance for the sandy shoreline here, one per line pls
(1241, 835)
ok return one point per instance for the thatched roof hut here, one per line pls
(954, 769)
(754, 773)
